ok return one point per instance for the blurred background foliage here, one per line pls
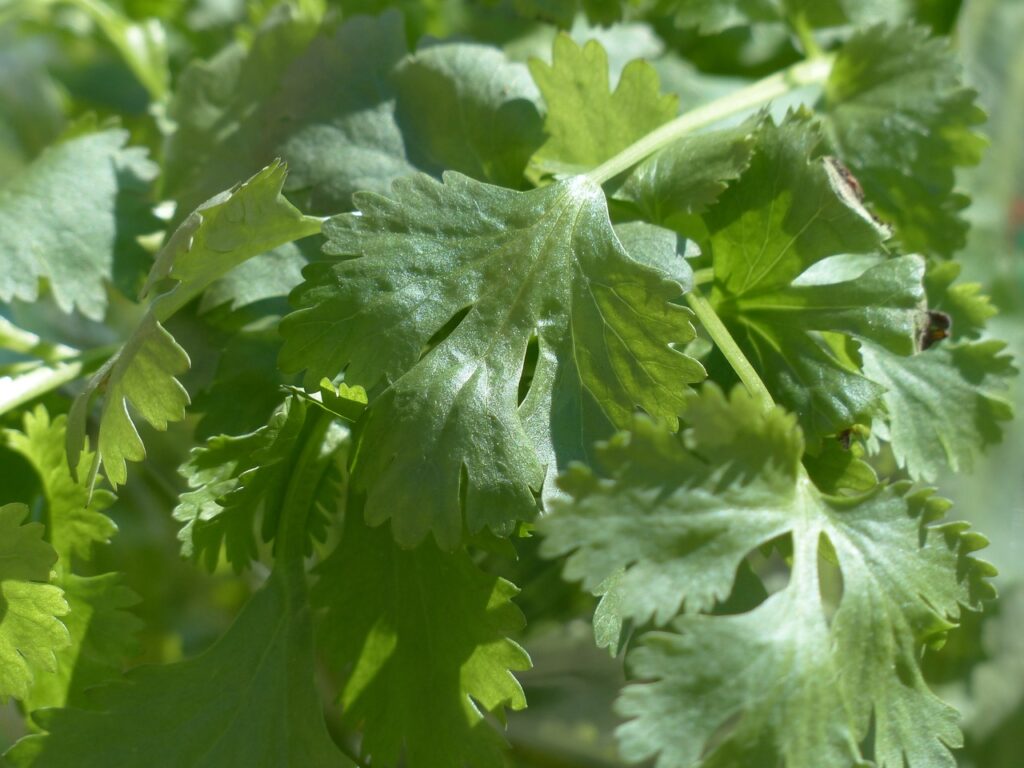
(118, 59)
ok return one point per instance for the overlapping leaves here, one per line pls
(788, 679)
(422, 638)
(448, 435)
(786, 214)
(349, 109)
(100, 628)
(235, 479)
(225, 231)
(900, 116)
(250, 699)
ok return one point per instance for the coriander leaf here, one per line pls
(449, 433)
(900, 116)
(231, 478)
(784, 681)
(267, 276)
(422, 637)
(667, 516)
(563, 12)
(944, 404)
(71, 217)
(349, 110)
(688, 175)
(248, 700)
(467, 108)
(785, 215)
(587, 122)
(76, 522)
(30, 632)
(234, 226)
(102, 634)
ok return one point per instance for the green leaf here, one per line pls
(76, 522)
(30, 632)
(901, 118)
(248, 700)
(587, 122)
(944, 404)
(349, 110)
(784, 216)
(233, 479)
(102, 634)
(667, 516)
(227, 230)
(687, 176)
(421, 635)
(788, 679)
(448, 444)
(71, 218)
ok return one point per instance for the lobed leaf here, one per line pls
(789, 680)
(227, 230)
(448, 443)
(349, 109)
(76, 521)
(587, 122)
(234, 479)
(900, 116)
(31, 632)
(71, 218)
(785, 215)
(944, 404)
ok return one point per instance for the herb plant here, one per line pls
(438, 298)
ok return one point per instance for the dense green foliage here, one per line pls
(397, 341)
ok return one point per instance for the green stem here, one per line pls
(804, 33)
(703, 276)
(729, 348)
(803, 73)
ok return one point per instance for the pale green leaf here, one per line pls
(102, 634)
(586, 121)
(945, 404)
(801, 678)
(31, 634)
(71, 218)
(447, 444)
(76, 522)
(688, 175)
(224, 232)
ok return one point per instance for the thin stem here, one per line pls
(703, 276)
(804, 33)
(729, 348)
(803, 73)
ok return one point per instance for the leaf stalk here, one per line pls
(810, 72)
(729, 348)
